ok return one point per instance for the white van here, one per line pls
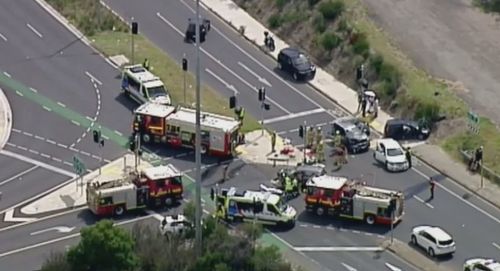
(391, 154)
(143, 86)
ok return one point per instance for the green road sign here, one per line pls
(78, 166)
(473, 117)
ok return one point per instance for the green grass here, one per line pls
(170, 71)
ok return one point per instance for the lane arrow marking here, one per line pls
(60, 229)
(260, 78)
(348, 267)
(229, 86)
(392, 267)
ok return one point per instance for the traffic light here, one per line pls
(392, 206)
(262, 94)
(135, 28)
(184, 64)
(301, 131)
(133, 146)
(232, 102)
(267, 106)
(97, 136)
(212, 194)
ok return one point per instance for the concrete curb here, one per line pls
(7, 119)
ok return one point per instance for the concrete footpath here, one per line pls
(345, 97)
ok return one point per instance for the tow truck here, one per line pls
(346, 198)
(148, 188)
(175, 126)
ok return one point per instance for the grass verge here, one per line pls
(110, 36)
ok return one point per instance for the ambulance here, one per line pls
(143, 86)
(247, 206)
(342, 197)
(176, 127)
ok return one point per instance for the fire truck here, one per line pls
(148, 188)
(175, 126)
(351, 199)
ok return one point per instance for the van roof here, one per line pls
(389, 143)
(155, 109)
(249, 195)
(327, 182)
(140, 74)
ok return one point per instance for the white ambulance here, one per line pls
(143, 86)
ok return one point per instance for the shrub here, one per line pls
(376, 62)
(342, 26)
(331, 9)
(275, 21)
(361, 46)
(427, 112)
(281, 3)
(293, 17)
(319, 23)
(312, 2)
(329, 41)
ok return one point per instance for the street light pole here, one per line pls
(198, 239)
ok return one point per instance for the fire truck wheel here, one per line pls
(119, 210)
(169, 201)
(203, 149)
(370, 219)
(146, 138)
(320, 211)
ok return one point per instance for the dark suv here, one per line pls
(296, 63)
(191, 30)
(356, 133)
(400, 129)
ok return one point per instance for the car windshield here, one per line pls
(300, 60)
(157, 92)
(394, 152)
(445, 242)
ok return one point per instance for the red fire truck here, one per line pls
(345, 198)
(175, 126)
(151, 187)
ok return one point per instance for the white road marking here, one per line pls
(18, 175)
(316, 226)
(118, 133)
(89, 118)
(60, 229)
(51, 141)
(38, 163)
(61, 104)
(46, 108)
(393, 267)
(497, 220)
(43, 218)
(496, 245)
(22, 148)
(105, 137)
(3, 37)
(9, 217)
(295, 115)
(75, 122)
(223, 66)
(27, 134)
(16, 130)
(7, 74)
(34, 152)
(93, 78)
(357, 232)
(333, 249)
(39, 137)
(303, 225)
(34, 30)
(34, 90)
(19, 93)
(348, 267)
(74, 235)
(226, 84)
(260, 78)
(423, 201)
(85, 153)
(57, 159)
(45, 155)
(62, 145)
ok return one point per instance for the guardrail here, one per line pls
(487, 172)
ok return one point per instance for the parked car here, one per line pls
(481, 264)
(296, 63)
(390, 153)
(191, 30)
(433, 239)
(356, 133)
(400, 129)
(174, 224)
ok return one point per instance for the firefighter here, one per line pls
(310, 137)
(273, 141)
(295, 184)
(288, 187)
(145, 64)
(337, 140)
(320, 152)
(319, 135)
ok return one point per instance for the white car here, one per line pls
(434, 240)
(391, 154)
(481, 264)
(175, 224)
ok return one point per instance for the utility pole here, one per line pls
(134, 31)
(198, 239)
(305, 141)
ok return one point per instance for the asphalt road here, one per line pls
(162, 21)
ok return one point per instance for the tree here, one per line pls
(104, 248)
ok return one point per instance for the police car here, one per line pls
(174, 224)
(143, 86)
(481, 264)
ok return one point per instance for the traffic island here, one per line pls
(73, 195)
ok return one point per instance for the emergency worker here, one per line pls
(320, 152)
(319, 135)
(240, 113)
(310, 137)
(220, 211)
(145, 64)
(338, 139)
(273, 141)
(288, 187)
(295, 184)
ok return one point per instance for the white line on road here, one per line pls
(295, 115)
(423, 201)
(228, 86)
(7, 74)
(19, 93)
(61, 104)
(497, 220)
(3, 37)
(348, 267)
(222, 65)
(333, 249)
(26, 133)
(9, 217)
(51, 141)
(34, 90)
(105, 137)
(62, 145)
(34, 30)
(89, 118)
(18, 175)
(45, 155)
(22, 148)
(75, 122)
(260, 78)
(38, 163)
(118, 133)
(496, 245)
(40, 137)
(93, 78)
(34, 152)
(46, 108)
(392, 267)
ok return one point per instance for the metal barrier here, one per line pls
(487, 173)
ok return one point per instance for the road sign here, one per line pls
(473, 121)
(78, 165)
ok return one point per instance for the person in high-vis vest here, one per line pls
(240, 113)
(288, 187)
(220, 212)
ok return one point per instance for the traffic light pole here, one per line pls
(392, 226)
(305, 142)
(184, 60)
(262, 117)
(198, 235)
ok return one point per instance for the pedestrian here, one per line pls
(363, 106)
(432, 184)
(273, 141)
(145, 64)
(360, 100)
(408, 156)
(224, 172)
